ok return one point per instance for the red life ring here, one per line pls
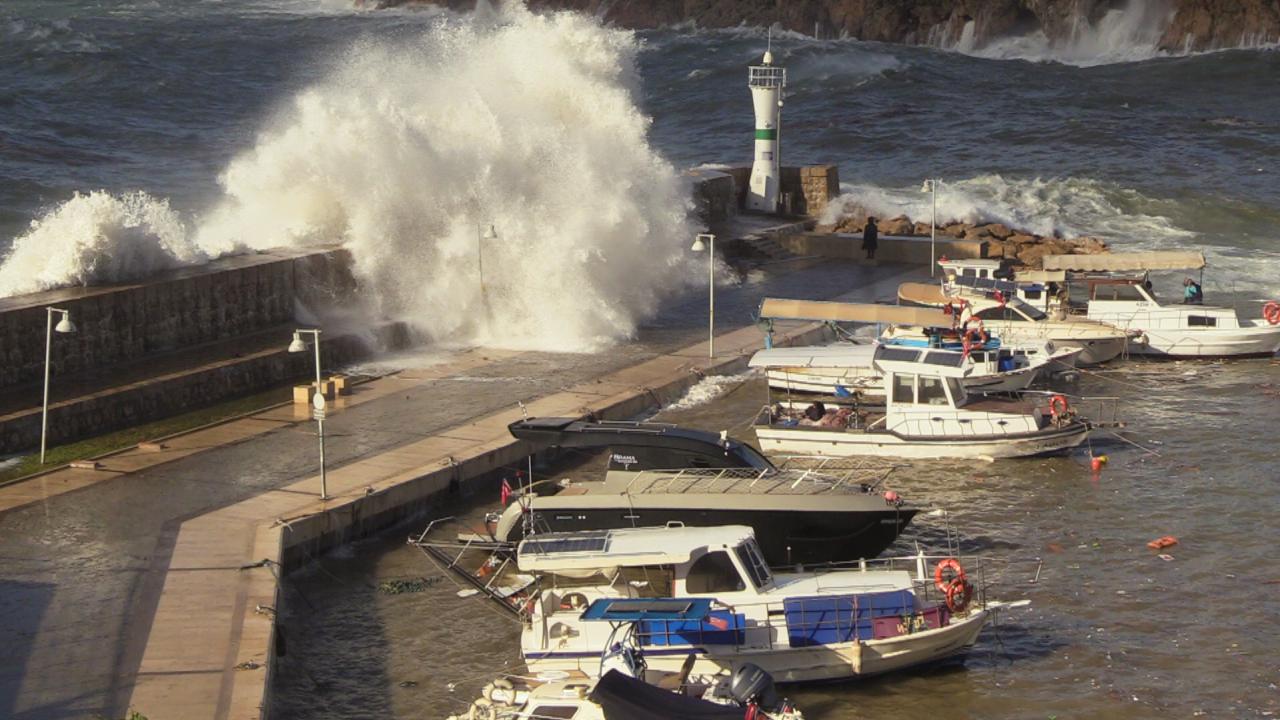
(959, 593)
(974, 336)
(1054, 403)
(1271, 311)
(940, 580)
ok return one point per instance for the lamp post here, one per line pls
(931, 186)
(488, 233)
(706, 242)
(64, 326)
(299, 345)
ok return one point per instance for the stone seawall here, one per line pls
(117, 324)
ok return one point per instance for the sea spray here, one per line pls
(94, 238)
(405, 154)
(412, 150)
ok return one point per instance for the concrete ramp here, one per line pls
(823, 311)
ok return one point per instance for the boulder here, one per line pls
(956, 230)
(900, 225)
(1021, 239)
(977, 233)
(998, 230)
(923, 229)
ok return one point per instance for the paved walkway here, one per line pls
(123, 586)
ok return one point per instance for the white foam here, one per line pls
(527, 122)
(95, 238)
(707, 389)
(1125, 34)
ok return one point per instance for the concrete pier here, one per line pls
(151, 582)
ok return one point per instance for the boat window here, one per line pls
(1031, 294)
(957, 391)
(1027, 309)
(931, 392)
(712, 573)
(969, 272)
(991, 313)
(750, 558)
(559, 712)
(904, 388)
(1202, 321)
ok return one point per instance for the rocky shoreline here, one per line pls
(1187, 25)
(1020, 248)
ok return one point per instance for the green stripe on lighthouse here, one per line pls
(766, 134)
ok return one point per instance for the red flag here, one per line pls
(718, 623)
(506, 492)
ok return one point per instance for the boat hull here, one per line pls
(850, 443)
(1249, 341)
(818, 663)
(785, 537)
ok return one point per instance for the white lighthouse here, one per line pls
(766, 81)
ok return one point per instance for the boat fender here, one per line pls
(482, 710)
(1271, 311)
(940, 580)
(1058, 406)
(959, 592)
(892, 498)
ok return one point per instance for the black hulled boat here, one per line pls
(659, 474)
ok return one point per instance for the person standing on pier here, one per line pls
(870, 238)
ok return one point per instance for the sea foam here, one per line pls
(409, 149)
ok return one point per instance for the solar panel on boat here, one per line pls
(988, 284)
(898, 354)
(584, 542)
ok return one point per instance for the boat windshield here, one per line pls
(1027, 309)
(750, 558)
(751, 455)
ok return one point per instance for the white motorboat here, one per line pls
(797, 627)
(927, 414)
(1016, 321)
(1119, 295)
(845, 369)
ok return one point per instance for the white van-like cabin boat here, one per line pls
(798, 627)
(1017, 321)
(927, 414)
(1118, 291)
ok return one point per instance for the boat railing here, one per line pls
(1098, 410)
(791, 480)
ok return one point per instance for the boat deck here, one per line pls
(786, 481)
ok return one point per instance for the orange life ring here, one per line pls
(1271, 311)
(1054, 403)
(939, 579)
(974, 336)
(959, 593)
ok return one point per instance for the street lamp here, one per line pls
(706, 242)
(488, 233)
(64, 326)
(931, 186)
(299, 345)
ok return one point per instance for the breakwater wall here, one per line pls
(116, 324)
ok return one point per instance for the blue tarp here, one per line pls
(636, 609)
(826, 620)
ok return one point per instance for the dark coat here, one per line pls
(870, 236)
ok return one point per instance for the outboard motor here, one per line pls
(751, 684)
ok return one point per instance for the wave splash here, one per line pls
(526, 123)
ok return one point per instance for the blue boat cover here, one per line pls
(721, 627)
(637, 609)
(831, 619)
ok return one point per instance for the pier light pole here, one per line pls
(706, 242)
(483, 235)
(64, 326)
(299, 345)
(931, 186)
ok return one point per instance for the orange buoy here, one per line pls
(939, 579)
(1161, 543)
(1058, 406)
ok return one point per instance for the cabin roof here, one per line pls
(922, 361)
(824, 311)
(625, 547)
(1119, 262)
(820, 356)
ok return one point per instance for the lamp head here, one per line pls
(298, 345)
(700, 242)
(490, 233)
(65, 325)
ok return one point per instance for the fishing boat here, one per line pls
(1008, 317)
(881, 617)
(1118, 291)
(927, 414)
(845, 369)
(658, 473)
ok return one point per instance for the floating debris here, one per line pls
(400, 586)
